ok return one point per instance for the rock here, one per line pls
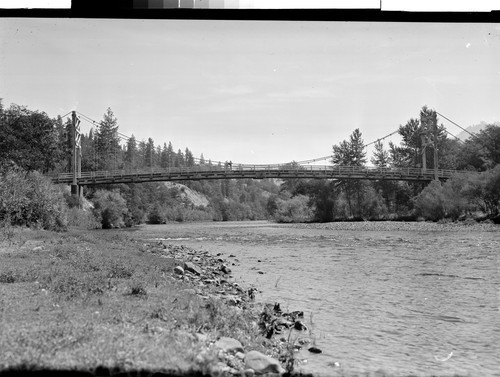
(225, 269)
(240, 355)
(261, 363)
(191, 267)
(260, 272)
(202, 338)
(249, 372)
(233, 300)
(299, 325)
(314, 350)
(229, 345)
(38, 248)
(219, 369)
(179, 270)
(334, 364)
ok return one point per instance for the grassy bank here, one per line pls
(87, 299)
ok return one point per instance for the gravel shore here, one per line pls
(415, 226)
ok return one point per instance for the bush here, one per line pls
(293, 210)
(30, 199)
(110, 208)
(374, 206)
(82, 218)
(430, 202)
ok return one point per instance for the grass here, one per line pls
(91, 299)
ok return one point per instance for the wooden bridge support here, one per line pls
(76, 156)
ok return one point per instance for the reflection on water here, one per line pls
(403, 302)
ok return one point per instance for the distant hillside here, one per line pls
(474, 130)
(188, 195)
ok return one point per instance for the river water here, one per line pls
(400, 300)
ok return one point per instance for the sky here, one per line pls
(255, 92)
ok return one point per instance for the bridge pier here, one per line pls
(76, 191)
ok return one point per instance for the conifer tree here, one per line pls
(107, 142)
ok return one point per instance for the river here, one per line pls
(393, 298)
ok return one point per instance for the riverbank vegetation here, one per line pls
(80, 300)
(32, 144)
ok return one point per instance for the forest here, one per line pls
(33, 145)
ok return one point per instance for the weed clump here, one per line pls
(137, 288)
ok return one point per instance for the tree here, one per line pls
(293, 210)
(89, 152)
(149, 153)
(179, 159)
(110, 208)
(107, 142)
(351, 153)
(481, 151)
(189, 158)
(131, 153)
(411, 143)
(430, 203)
(29, 139)
(381, 158)
(164, 157)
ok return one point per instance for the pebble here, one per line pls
(179, 270)
(314, 350)
(262, 364)
(229, 345)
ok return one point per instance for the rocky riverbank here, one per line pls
(210, 277)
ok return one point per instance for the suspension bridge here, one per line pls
(203, 171)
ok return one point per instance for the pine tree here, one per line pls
(108, 142)
(131, 153)
(351, 153)
(149, 153)
(381, 157)
(189, 158)
(164, 157)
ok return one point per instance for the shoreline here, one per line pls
(71, 317)
(211, 277)
(412, 226)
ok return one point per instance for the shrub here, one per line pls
(430, 202)
(374, 206)
(30, 199)
(293, 210)
(110, 208)
(82, 218)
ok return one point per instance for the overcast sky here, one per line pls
(252, 91)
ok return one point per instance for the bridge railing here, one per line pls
(245, 168)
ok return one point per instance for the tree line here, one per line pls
(31, 142)
(477, 190)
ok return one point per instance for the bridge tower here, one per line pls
(429, 137)
(76, 155)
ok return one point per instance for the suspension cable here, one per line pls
(463, 129)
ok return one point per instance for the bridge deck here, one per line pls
(203, 172)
